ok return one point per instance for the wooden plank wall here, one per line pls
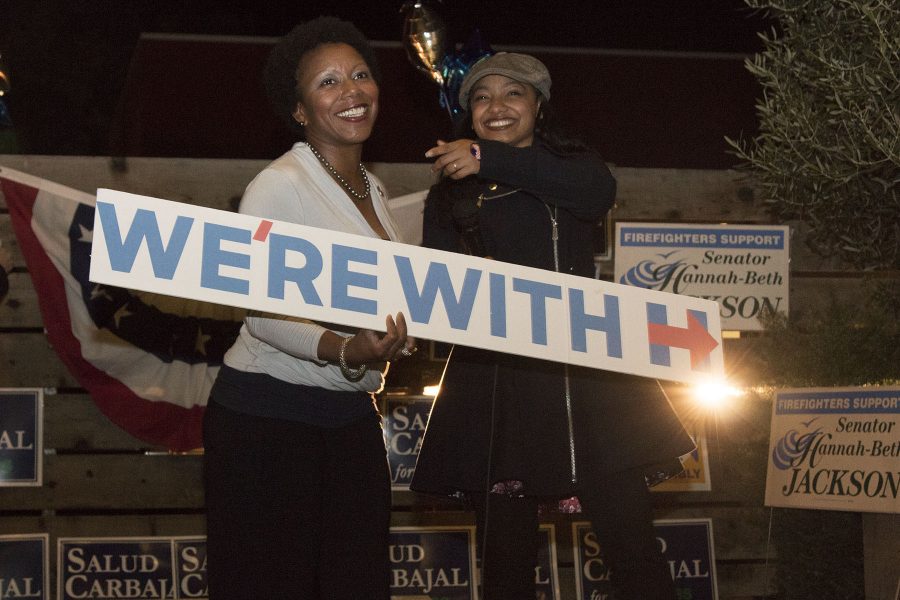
(99, 481)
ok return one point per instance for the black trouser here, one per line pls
(508, 544)
(621, 515)
(294, 511)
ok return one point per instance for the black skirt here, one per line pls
(503, 417)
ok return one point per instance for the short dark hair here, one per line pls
(280, 73)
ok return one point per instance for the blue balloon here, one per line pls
(5, 119)
(456, 66)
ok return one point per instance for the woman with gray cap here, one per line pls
(507, 433)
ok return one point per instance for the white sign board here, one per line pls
(742, 267)
(227, 258)
(835, 449)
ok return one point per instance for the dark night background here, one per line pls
(667, 85)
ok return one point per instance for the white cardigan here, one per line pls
(296, 188)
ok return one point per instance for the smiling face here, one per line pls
(504, 110)
(338, 96)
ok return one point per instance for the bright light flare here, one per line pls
(716, 395)
(431, 390)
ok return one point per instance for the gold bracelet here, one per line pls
(350, 374)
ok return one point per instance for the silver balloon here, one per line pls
(4, 78)
(424, 37)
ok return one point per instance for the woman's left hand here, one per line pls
(394, 344)
(454, 159)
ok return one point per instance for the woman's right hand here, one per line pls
(454, 159)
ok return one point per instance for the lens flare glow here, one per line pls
(716, 395)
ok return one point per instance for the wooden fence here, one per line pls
(99, 481)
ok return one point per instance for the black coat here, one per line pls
(618, 421)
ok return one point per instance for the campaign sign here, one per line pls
(278, 267)
(835, 449)
(546, 573)
(591, 573)
(190, 568)
(695, 476)
(686, 544)
(433, 562)
(405, 418)
(24, 567)
(114, 568)
(21, 436)
(742, 267)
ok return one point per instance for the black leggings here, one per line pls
(621, 515)
(294, 511)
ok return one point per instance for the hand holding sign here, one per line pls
(369, 346)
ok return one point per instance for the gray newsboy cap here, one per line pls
(521, 67)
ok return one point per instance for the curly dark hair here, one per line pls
(280, 73)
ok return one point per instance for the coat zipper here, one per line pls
(555, 237)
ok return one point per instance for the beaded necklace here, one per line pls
(344, 183)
